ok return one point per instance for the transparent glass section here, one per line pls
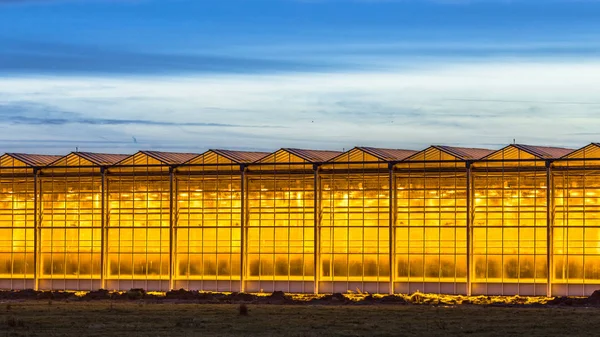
(431, 226)
(509, 226)
(70, 227)
(138, 227)
(17, 219)
(354, 228)
(576, 227)
(280, 231)
(208, 231)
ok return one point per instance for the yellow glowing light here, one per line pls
(281, 218)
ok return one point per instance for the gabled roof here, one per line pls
(167, 158)
(102, 158)
(465, 153)
(170, 158)
(540, 152)
(89, 158)
(290, 155)
(241, 157)
(546, 152)
(314, 156)
(377, 154)
(388, 154)
(34, 160)
(442, 152)
(590, 151)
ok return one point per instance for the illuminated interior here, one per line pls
(138, 219)
(280, 226)
(71, 219)
(576, 226)
(431, 220)
(509, 217)
(208, 220)
(281, 222)
(355, 220)
(17, 217)
(519, 220)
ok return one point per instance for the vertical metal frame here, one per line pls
(470, 216)
(317, 228)
(103, 230)
(549, 227)
(37, 211)
(392, 229)
(171, 229)
(243, 234)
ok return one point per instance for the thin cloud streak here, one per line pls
(31, 113)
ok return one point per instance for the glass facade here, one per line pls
(17, 219)
(510, 218)
(281, 222)
(70, 227)
(208, 222)
(138, 219)
(576, 219)
(355, 219)
(519, 220)
(431, 218)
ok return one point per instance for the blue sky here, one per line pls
(181, 75)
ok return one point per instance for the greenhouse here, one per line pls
(518, 220)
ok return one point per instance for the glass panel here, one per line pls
(17, 216)
(431, 226)
(281, 226)
(576, 232)
(71, 220)
(138, 226)
(208, 227)
(509, 219)
(355, 227)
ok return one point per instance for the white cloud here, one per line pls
(484, 104)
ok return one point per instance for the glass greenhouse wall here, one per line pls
(208, 221)
(70, 223)
(18, 237)
(430, 226)
(575, 212)
(355, 232)
(519, 220)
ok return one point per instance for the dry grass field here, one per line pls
(151, 318)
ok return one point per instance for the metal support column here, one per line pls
(317, 228)
(103, 230)
(392, 224)
(549, 227)
(470, 216)
(171, 229)
(37, 211)
(243, 227)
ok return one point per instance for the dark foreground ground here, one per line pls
(152, 318)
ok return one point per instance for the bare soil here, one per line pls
(164, 318)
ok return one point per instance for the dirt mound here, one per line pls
(101, 294)
(392, 299)
(333, 299)
(131, 294)
(55, 295)
(564, 301)
(278, 297)
(240, 297)
(26, 294)
(182, 294)
(594, 298)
